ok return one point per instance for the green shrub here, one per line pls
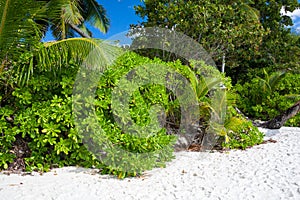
(6, 140)
(139, 105)
(42, 116)
(257, 103)
(241, 134)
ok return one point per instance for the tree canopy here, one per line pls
(246, 33)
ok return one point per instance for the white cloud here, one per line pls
(294, 15)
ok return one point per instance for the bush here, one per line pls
(264, 105)
(241, 134)
(40, 116)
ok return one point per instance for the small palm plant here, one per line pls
(269, 83)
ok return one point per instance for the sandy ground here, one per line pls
(267, 171)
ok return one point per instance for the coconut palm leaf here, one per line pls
(95, 14)
(275, 79)
(71, 12)
(55, 54)
(17, 27)
(269, 82)
(264, 85)
(62, 14)
(252, 12)
(217, 119)
(20, 37)
(79, 49)
(85, 30)
(218, 106)
(205, 85)
(72, 16)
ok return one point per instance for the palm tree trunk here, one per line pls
(278, 121)
(79, 31)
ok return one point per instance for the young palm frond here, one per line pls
(275, 78)
(205, 85)
(269, 83)
(218, 106)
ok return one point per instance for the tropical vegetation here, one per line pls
(248, 40)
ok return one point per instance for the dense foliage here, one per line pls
(241, 35)
(242, 134)
(225, 29)
(39, 115)
(277, 92)
(41, 119)
(37, 126)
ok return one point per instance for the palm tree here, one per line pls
(20, 36)
(73, 17)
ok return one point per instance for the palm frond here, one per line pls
(217, 119)
(58, 28)
(85, 30)
(53, 55)
(77, 48)
(69, 16)
(269, 82)
(62, 13)
(95, 14)
(71, 13)
(205, 85)
(252, 12)
(17, 26)
(264, 85)
(275, 79)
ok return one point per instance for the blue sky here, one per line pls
(121, 14)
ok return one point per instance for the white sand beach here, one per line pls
(266, 171)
